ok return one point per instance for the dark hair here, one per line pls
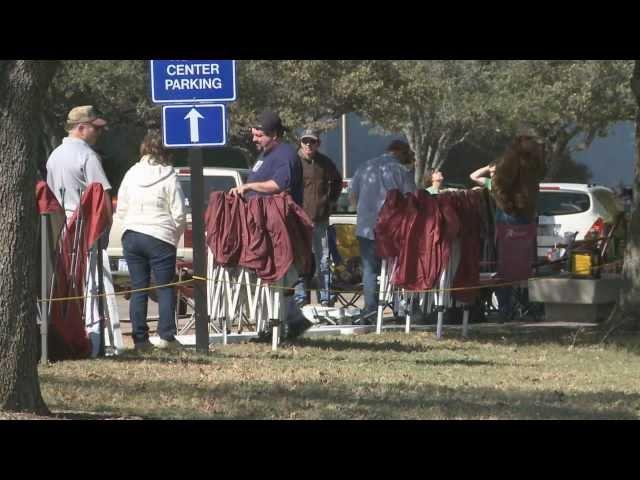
(427, 178)
(403, 151)
(398, 146)
(518, 173)
(152, 145)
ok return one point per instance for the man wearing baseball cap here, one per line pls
(322, 187)
(74, 164)
(277, 168)
(71, 167)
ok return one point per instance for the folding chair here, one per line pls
(347, 295)
(516, 246)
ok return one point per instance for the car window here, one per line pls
(607, 200)
(211, 184)
(562, 203)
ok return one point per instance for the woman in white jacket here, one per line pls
(151, 207)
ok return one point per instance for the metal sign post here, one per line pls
(199, 252)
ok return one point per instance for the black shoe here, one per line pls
(266, 336)
(366, 319)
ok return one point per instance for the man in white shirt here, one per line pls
(71, 167)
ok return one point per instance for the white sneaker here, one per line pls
(168, 345)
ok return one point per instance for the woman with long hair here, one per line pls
(517, 177)
(151, 207)
(515, 187)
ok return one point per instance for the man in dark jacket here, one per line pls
(322, 186)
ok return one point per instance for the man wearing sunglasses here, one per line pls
(322, 186)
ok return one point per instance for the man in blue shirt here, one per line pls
(369, 187)
(277, 168)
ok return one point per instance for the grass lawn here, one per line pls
(498, 373)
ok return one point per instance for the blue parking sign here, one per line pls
(194, 125)
(189, 81)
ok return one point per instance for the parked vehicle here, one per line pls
(588, 209)
(215, 179)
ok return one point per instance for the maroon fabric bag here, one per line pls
(516, 245)
(389, 229)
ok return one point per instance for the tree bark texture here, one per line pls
(22, 86)
(630, 297)
(558, 154)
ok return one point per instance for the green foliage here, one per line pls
(306, 93)
(440, 104)
(119, 88)
(437, 105)
(562, 100)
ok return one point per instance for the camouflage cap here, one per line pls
(85, 114)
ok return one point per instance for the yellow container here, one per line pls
(582, 263)
(346, 241)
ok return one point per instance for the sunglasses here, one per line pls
(309, 141)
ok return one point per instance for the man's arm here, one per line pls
(177, 207)
(268, 186)
(354, 190)
(94, 171)
(335, 188)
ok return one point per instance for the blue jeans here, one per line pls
(370, 272)
(323, 272)
(145, 254)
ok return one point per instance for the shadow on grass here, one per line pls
(523, 335)
(75, 415)
(362, 400)
(187, 357)
(465, 362)
(560, 336)
(338, 344)
(216, 357)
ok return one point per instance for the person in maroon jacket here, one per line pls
(322, 186)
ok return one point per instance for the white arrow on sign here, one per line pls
(193, 117)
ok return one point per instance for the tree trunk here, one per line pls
(630, 296)
(22, 86)
(417, 142)
(557, 155)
